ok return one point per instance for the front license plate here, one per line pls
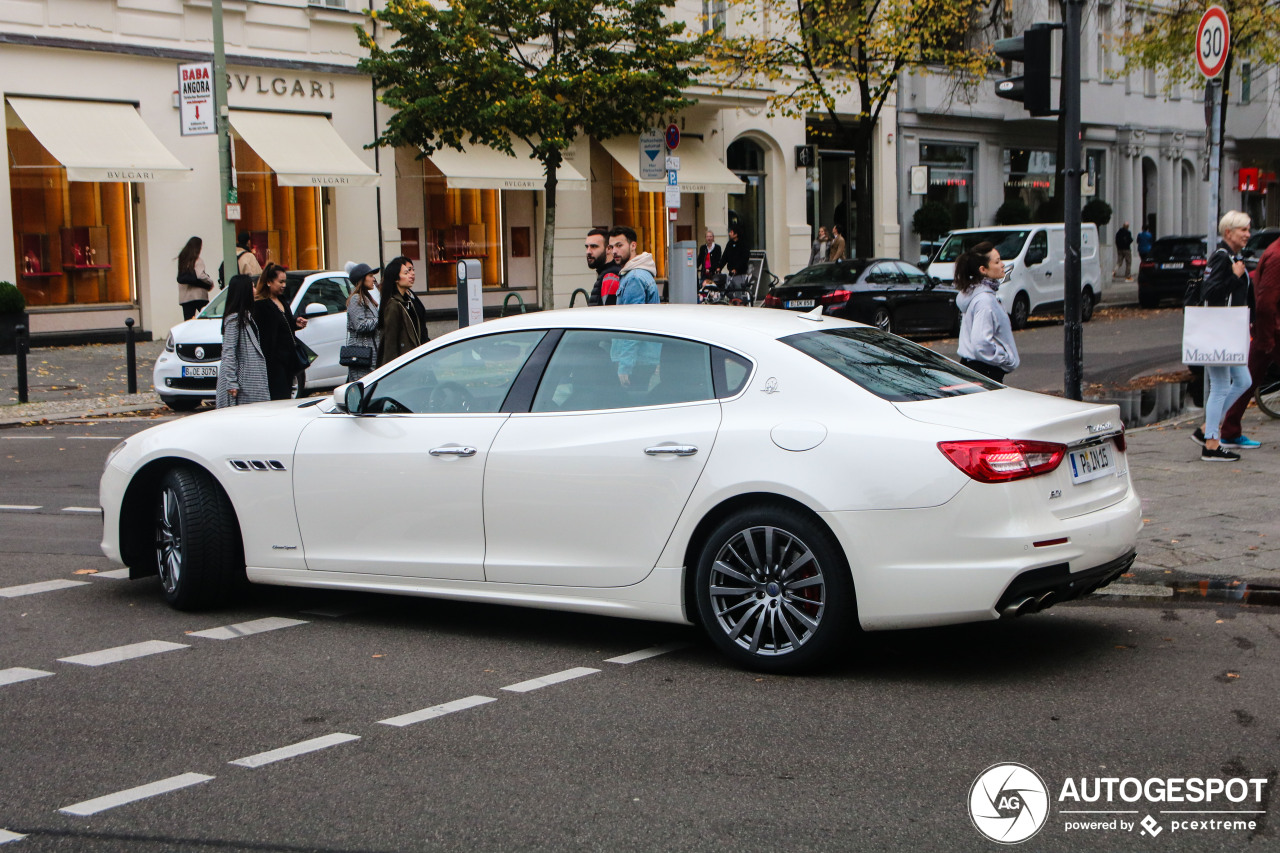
(1171, 266)
(211, 370)
(1090, 463)
(800, 303)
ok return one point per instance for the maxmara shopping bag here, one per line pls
(1213, 335)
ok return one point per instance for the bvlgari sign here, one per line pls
(195, 98)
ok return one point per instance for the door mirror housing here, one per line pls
(315, 309)
(349, 397)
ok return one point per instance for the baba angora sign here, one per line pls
(195, 98)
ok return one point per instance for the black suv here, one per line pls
(1165, 272)
(1258, 244)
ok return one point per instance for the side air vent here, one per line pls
(257, 465)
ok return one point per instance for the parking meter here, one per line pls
(470, 293)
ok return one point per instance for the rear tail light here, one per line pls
(771, 301)
(1198, 262)
(835, 297)
(999, 461)
(1147, 265)
(1121, 443)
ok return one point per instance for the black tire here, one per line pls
(181, 404)
(1267, 395)
(1087, 301)
(197, 541)
(882, 320)
(797, 600)
(1021, 311)
(298, 389)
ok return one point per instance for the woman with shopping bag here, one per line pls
(1215, 333)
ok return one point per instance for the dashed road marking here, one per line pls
(63, 437)
(119, 653)
(645, 654)
(85, 509)
(6, 836)
(294, 750)
(19, 507)
(42, 586)
(132, 795)
(244, 629)
(115, 574)
(548, 680)
(15, 674)
(437, 711)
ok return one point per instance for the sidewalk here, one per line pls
(73, 382)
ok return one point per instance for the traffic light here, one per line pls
(1034, 49)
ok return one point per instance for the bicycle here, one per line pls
(1267, 392)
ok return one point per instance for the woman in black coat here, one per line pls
(276, 325)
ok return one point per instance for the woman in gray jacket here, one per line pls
(362, 317)
(986, 336)
(242, 374)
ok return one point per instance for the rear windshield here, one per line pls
(890, 367)
(1008, 243)
(826, 274)
(1183, 249)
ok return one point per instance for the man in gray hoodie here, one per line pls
(636, 360)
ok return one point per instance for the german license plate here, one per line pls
(800, 303)
(1090, 463)
(1171, 266)
(210, 370)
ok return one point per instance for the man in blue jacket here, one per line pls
(636, 360)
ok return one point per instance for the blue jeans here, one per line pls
(1226, 384)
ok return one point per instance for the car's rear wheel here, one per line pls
(181, 404)
(773, 589)
(882, 320)
(1021, 311)
(1087, 300)
(197, 541)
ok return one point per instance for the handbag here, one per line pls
(356, 356)
(1215, 335)
(304, 353)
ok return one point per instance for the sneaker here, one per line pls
(1218, 454)
(1198, 436)
(1241, 442)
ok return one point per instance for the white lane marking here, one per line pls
(42, 586)
(333, 612)
(86, 509)
(6, 836)
(645, 654)
(548, 680)
(119, 653)
(19, 507)
(20, 673)
(64, 437)
(436, 711)
(132, 795)
(116, 574)
(294, 750)
(244, 629)
(1149, 590)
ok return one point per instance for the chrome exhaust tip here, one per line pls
(1017, 608)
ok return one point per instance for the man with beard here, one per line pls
(600, 259)
(636, 360)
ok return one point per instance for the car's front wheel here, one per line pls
(882, 320)
(773, 589)
(1087, 303)
(1021, 311)
(197, 541)
(298, 389)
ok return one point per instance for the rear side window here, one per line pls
(888, 366)
(1178, 250)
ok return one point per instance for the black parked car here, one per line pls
(1165, 272)
(1258, 244)
(891, 294)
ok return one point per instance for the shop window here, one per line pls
(950, 179)
(643, 211)
(1029, 175)
(284, 223)
(73, 239)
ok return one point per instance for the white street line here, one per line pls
(6, 836)
(244, 629)
(553, 678)
(333, 612)
(20, 673)
(115, 574)
(119, 653)
(436, 711)
(1149, 590)
(645, 654)
(19, 508)
(86, 509)
(42, 586)
(294, 750)
(28, 438)
(120, 798)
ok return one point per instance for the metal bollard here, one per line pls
(21, 349)
(130, 356)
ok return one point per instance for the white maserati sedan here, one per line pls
(781, 479)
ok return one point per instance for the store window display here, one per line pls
(284, 222)
(643, 211)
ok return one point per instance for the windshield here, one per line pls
(213, 311)
(1008, 243)
(890, 367)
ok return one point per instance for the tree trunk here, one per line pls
(863, 240)
(551, 164)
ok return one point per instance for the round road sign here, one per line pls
(673, 137)
(1213, 40)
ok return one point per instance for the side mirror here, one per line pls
(349, 397)
(933, 282)
(315, 309)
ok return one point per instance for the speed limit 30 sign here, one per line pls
(1213, 40)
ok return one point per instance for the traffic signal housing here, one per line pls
(1034, 49)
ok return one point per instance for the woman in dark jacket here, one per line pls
(242, 373)
(402, 319)
(1226, 282)
(276, 325)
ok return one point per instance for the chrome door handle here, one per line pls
(453, 451)
(671, 450)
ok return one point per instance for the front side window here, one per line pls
(593, 370)
(469, 377)
(888, 366)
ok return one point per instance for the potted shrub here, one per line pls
(13, 313)
(1013, 212)
(1097, 212)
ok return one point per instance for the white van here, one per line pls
(1035, 266)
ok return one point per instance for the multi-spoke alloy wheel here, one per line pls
(169, 539)
(197, 540)
(773, 589)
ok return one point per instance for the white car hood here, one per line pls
(198, 331)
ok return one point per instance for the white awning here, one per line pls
(480, 167)
(99, 142)
(303, 150)
(700, 171)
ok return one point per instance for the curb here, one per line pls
(80, 415)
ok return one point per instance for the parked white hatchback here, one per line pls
(186, 373)
(780, 478)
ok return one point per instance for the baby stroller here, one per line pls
(725, 290)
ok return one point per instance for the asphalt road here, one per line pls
(674, 751)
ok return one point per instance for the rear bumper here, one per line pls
(1034, 590)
